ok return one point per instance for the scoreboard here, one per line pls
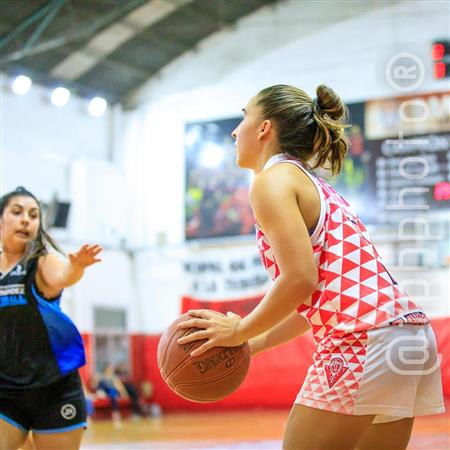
(408, 140)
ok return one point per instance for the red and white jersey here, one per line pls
(355, 292)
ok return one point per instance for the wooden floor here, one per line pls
(259, 429)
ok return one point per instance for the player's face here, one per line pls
(247, 144)
(19, 222)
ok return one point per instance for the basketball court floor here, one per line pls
(257, 429)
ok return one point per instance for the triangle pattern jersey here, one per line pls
(355, 291)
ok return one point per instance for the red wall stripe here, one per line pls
(86, 370)
(274, 378)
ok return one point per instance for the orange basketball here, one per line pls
(206, 378)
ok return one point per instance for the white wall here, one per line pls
(39, 140)
(107, 284)
(65, 152)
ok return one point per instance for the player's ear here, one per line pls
(264, 129)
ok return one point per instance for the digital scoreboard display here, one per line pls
(408, 141)
(411, 173)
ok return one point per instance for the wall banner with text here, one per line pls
(225, 273)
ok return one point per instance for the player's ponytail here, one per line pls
(309, 130)
(330, 142)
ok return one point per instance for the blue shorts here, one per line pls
(55, 408)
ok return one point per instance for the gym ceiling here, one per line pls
(107, 47)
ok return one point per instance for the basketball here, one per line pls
(205, 378)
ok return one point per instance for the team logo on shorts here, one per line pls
(68, 411)
(335, 369)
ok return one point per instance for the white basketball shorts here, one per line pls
(391, 372)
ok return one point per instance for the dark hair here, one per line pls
(306, 128)
(37, 246)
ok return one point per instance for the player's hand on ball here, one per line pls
(219, 330)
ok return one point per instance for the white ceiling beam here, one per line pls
(112, 37)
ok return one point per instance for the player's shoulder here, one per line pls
(287, 170)
(49, 260)
(268, 180)
(48, 257)
(279, 176)
(272, 187)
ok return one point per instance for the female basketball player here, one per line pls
(40, 348)
(376, 364)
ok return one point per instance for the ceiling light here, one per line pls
(60, 96)
(21, 85)
(97, 106)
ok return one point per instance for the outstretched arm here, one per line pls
(54, 274)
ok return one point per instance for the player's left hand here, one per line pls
(219, 330)
(85, 256)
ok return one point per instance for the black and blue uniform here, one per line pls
(40, 352)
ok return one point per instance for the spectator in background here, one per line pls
(111, 385)
(133, 393)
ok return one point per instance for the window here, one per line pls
(111, 341)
